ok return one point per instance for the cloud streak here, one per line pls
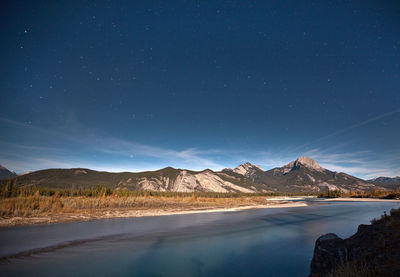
(193, 157)
(354, 126)
(364, 164)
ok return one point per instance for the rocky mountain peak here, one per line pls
(247, 169)
(298, 163)
(306, 161)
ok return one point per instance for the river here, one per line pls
(260, 242)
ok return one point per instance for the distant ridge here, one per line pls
(302, 175)
(6, 173)
(388, 182)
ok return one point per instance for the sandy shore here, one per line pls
(289, 198)
(125, 213)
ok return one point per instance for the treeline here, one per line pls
(12, 190)
(382, 194)
(331, 194)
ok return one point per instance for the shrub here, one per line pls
(331, 194)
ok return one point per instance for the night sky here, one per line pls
(141, 85)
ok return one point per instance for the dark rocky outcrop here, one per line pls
(330, 250)
(373, 251)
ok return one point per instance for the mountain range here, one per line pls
(302, 175)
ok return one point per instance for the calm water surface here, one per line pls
(264, 242)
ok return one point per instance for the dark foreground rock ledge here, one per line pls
(373, 251)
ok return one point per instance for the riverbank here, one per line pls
(348, 199)
(35, 210)
(20, 211)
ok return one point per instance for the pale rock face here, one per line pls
(151, 184)
(330, 186)
(301, 161)
(310, 163)
(240, 170)
(287, 168)
(185, 182)
(80, 172)
(188, 182)
(247, 169)
(311, 178)
(333, 187)
(212, 182)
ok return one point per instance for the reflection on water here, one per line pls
(267, 242)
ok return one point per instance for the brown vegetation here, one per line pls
(353, 269)
(381, 194)
(38, 205)
(27, 205)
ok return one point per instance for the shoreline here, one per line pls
(84, 216)
(90, 215)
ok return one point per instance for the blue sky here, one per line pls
(131, 86)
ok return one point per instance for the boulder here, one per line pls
(329, 252)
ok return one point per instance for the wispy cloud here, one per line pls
(193, 158)
(197, 158)
(7, 144)
(115, 154)
(364, 164)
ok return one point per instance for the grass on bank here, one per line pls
(34, 205)
(34, 201)
(381, 194)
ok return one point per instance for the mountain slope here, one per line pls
(167, 179)
(304, 175)
(6, 174)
